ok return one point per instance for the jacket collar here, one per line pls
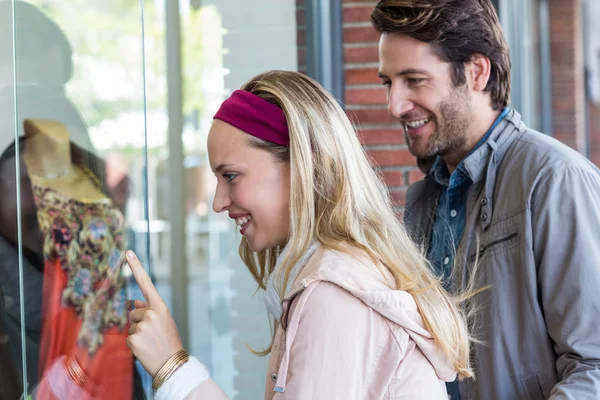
(356, 271)
(272, 298)
(481, 165)
(496, 145)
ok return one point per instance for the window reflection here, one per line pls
(63, 223)
(88, 178)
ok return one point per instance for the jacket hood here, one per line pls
(356, 273)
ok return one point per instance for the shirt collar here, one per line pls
(440, 172)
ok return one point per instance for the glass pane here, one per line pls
(521, 24)
(80, 164)
(11, 376)
(84, 181)
(224, 43)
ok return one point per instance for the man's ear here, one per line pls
(478, 72)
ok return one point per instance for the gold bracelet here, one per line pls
(77, 375)
(172, 364)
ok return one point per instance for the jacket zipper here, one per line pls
(482, 250)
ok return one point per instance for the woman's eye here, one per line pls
(229, 177)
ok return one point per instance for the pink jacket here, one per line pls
(347, 336)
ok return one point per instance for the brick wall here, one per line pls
(301, 38)
(568, 81)
(568, 94)
(365, 100)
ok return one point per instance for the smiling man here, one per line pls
(500, 205)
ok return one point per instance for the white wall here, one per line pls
(261, 35)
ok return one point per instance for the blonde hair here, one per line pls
(337, 198)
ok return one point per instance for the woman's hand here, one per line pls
(153, 336)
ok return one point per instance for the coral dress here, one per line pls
(83, 316)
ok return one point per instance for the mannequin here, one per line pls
(47, 156)
(83, 301)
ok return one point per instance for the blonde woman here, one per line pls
(358, 313)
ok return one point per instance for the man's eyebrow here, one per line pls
(408, 71)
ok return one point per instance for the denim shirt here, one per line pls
(449, 222)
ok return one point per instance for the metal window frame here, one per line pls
(514, 16)
(324, 44)
(177, 223)
(546, 67)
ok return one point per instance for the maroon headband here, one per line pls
(255, 116)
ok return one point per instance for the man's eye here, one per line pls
(415, 81)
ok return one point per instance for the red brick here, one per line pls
(300, 17)
(300, 37)
(302, 57)
(365, 96)
(393, 178)
(361, 54)
(360, 35)
(568, 85)
(358, 14)
(386, 158)
(398, 197)
(372, 116)
(415, 175)
(381, 136)
(399, 214)
(362, 76)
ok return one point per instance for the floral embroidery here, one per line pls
(87, 239)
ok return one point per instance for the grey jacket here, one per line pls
(533, 223)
